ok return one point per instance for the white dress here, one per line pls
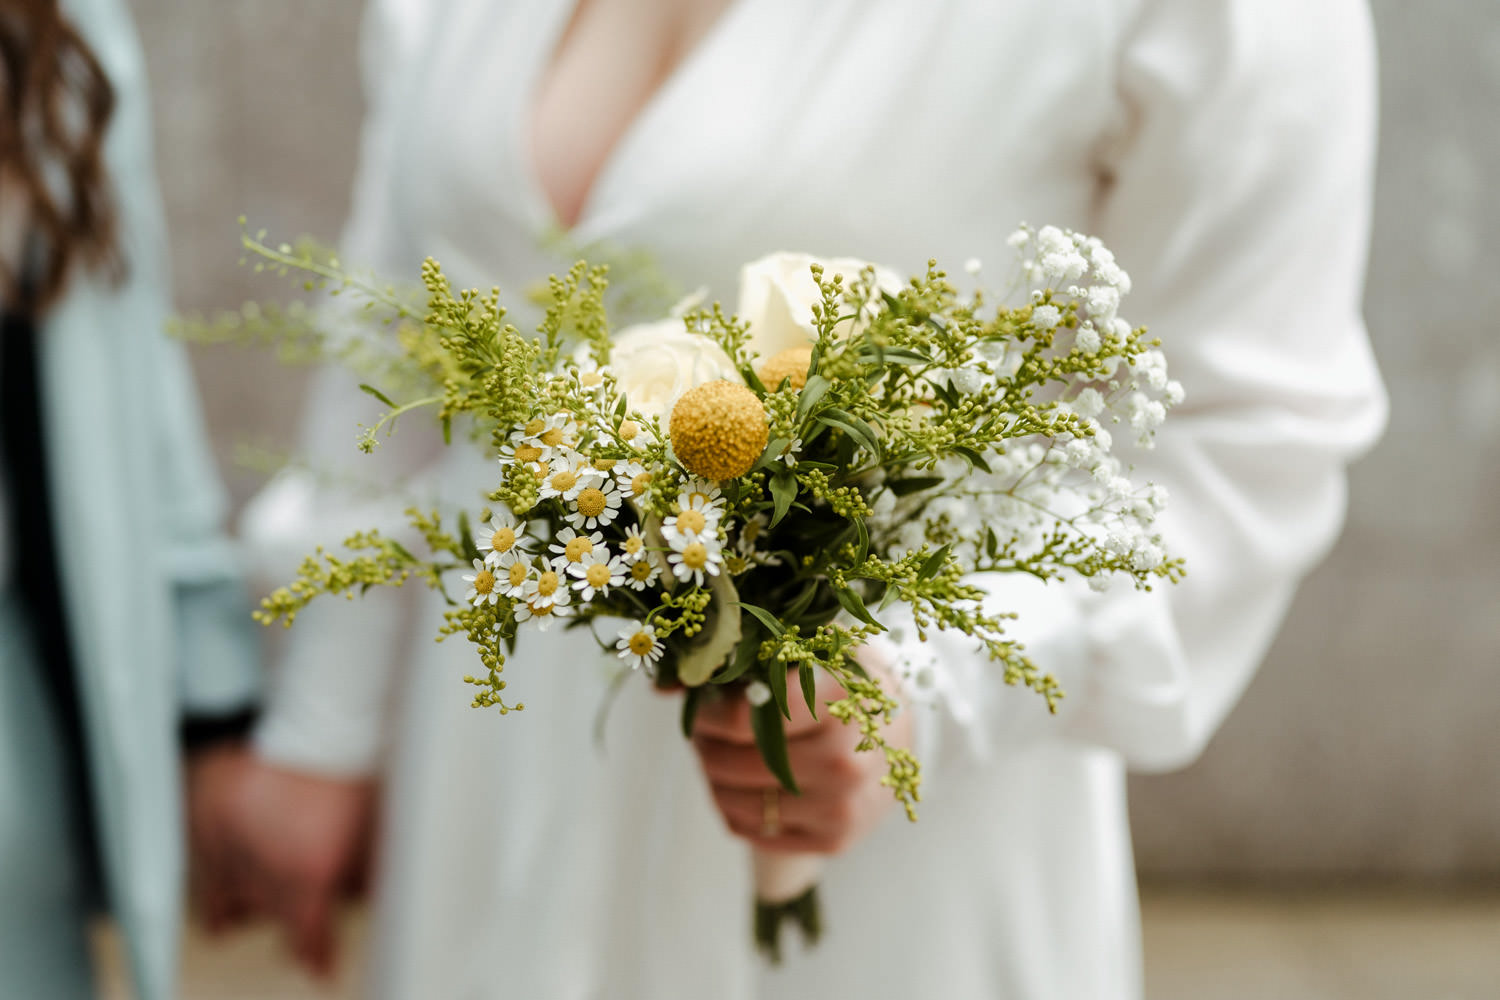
(1221, 148)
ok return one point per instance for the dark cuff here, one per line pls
(199, 732)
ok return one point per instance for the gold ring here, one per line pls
(770, 812)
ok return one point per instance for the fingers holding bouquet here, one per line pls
(840, 796)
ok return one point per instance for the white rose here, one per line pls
(777, 294)
(655, 363)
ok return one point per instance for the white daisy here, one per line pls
(568, 474)
(545, 589)
(596, 505)
(540, 615)
(570, 547)
(693, 558)
(633, 548)
(597, 572)
(499, 536)
(512, 570)
(482, 585)
(633, 479)
(644, 572)
(639, 646)
(557, 435)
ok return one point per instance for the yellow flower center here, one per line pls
(605, 464)
(503, 539)
(641, 643)
(634, 544)
(597, 575)
(641, 571)
(590, 379)
(628, 430)
(534, 427)
(577, 548)
(546, 584)
(553, 437)
(695, 556)
(564, 481)
(528, 453)
(484, 582)
(640, 484)
(591, 502)
(751, 531)
(691, 520)
(719, 430)
(540, 612)
(517, 574)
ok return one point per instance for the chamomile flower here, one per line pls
(501, 535)
(557, 435)
(633, 548)
(596, 573)
(789, 454)
(644, 572)
(694, 559)
(483, 587)
(541, 615)
(639, 646)
(512, 569)
(633, 479)
(568, 475)
(520, 451)
(596, 505)
(570, 547)
(545, 589)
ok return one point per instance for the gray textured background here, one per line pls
(1368, 744)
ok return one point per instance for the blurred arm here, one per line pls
(1237, 194)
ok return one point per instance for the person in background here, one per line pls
(124, 623)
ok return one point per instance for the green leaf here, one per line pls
(856, 428)
(767, 619)
(783, 492)
(770, 739)
(776, 678)
(447, 428)
(934, 562)
(808, 674)
(975, 459)
(812, 393)
(370, 390)
(801, 602)
(690, 701)
(906, 487)
(745, 655)
(853, 604)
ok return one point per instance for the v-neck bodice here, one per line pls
(789, 125)
(543, 115)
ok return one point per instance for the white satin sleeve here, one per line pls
(1237, 194)
(331, 692)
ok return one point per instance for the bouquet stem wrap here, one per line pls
(786, 888)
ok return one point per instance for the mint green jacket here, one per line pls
(157, 608)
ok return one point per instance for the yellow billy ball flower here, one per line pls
(719, 430)
(791, 363)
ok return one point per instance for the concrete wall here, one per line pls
(1368, 743)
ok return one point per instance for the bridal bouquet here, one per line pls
(740, 500)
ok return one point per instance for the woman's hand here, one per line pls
(842, 799)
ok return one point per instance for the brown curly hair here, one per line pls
(55, 105)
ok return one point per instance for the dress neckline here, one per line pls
(618, 154)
